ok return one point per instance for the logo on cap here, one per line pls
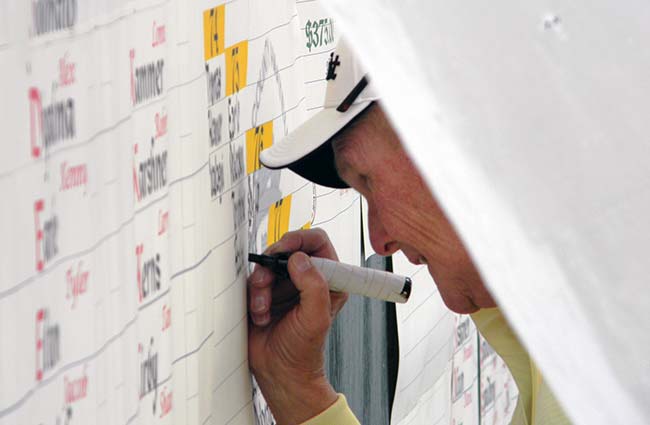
(331, 67)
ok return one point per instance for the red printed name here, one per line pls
(158, 34)
(75, 389)
(468, 351)
(161, 124)
(73, 176)
(66, 71)
(163, 222)
(468, 398)
(166, 317)
(165, 402)
(77, 283)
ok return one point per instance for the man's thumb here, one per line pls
(314, 290)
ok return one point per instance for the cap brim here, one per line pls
(308, 151)
(309, 136)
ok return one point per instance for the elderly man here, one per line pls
(351, 143)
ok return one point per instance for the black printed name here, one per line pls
(151, 173)
(53, 15)
(148, 274)
(146, 80)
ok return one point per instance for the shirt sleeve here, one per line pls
(338, 413)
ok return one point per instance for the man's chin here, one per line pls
(460, 305)
(455, 300)
(464, 308)
(465, 305)
(462, 294)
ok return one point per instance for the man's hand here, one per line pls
(289, 324)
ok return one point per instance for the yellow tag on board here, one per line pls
(257, 139)
(236, 67)
(279, 220)
(213, 31)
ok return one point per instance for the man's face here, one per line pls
(403, 214)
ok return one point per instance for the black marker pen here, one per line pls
(346, 278)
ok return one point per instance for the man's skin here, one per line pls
(287, 332)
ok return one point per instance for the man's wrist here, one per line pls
(296, 401)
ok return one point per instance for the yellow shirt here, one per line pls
(337, 414)
(536, 404)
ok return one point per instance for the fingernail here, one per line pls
(302, 262)
(262, 320)
(259, 304)
(259, 275)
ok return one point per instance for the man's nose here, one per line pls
(381, 241)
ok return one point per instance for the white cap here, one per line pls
(348, 93)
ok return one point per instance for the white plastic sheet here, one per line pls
(529, 121)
